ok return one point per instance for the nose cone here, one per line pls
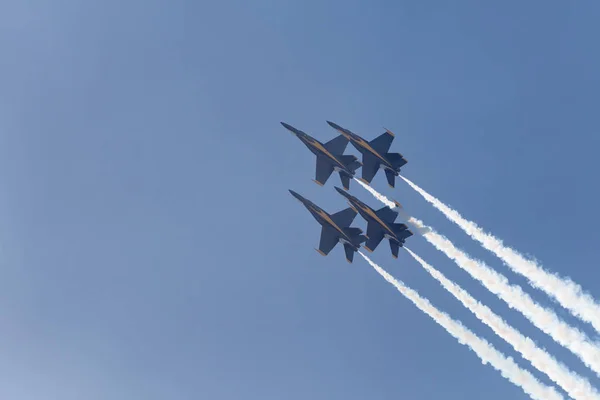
(296, 195)
(342, 192)
(290, 128)
(335, 126)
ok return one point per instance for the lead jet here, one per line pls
(375, 154)
(380, 224)
(336, 228)
(330, 157)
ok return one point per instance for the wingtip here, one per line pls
(320, 252)
(317, 182)
(388, 131)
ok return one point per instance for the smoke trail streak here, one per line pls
(545, 319)
(575, 385)
(484, 350)
(377, 195)
(566, 292)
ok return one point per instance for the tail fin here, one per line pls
(401, 230)
(355, 235)
(396, 159)
(351, 162)
(399, 227)
(351, 231)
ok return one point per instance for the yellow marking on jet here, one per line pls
(326, 217)
(324, 150)
(366, 145)
(376, 218)
(320, 252)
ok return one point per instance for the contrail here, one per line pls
(545, 319)
(575, 385)
(566, 292)
(377, 195)
(484, 350)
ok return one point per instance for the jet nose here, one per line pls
(287, 126)
(334, 125)
(292, 129)
(296, 195)
(341, 191)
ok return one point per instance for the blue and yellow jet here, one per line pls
(336, 228)
(330, 157)
(375, 154)
(380, 224)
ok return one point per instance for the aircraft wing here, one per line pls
(386, 214)
(329, 238)
(324, 170)
(344, 218)
(382, 143)
(337, 145)
(375, 235)
(370, 167)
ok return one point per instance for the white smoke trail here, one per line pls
(568, 294)
(545, 319)
(377, 195)
(484, 350)
(575, 385)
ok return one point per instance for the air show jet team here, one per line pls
(336, 227)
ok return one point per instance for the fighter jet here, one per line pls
(380, 224)
(336, 228)
(375, 154)
(330, 157)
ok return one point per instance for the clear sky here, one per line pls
(149, 247)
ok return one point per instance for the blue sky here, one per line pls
(150, 247)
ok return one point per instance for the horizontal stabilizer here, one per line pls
(352, 231)
(386, 214)
(399, 227)
(396, 159)
(351, 162)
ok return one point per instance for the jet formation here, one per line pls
(330, 157)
